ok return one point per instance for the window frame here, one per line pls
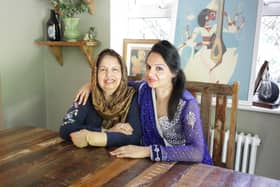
(255, 52)
(263, 10)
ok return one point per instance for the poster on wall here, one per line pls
(134, 54)
(215, 39)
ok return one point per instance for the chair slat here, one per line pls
(205, 114)
(219, 128)
(232, 129)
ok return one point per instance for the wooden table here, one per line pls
(38, 157)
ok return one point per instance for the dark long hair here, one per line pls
(201, 18)
(172, 59)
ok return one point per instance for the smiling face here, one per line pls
(158, 74)
(109, 75)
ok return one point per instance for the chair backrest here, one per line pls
(208, 92)
(134, 77)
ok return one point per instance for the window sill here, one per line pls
(247, 105)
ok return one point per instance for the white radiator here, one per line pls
(245, 150)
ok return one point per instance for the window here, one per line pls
(149, 19)
(269, 45)
(142, 19)
(267, 41)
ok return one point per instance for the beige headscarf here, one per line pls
(116, 110)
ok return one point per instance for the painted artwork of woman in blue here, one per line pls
(212, 21)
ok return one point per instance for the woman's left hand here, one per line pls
(124, 128)
(98, 139)
(131, 151)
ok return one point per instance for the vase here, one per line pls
(71, 29)
(53, 28)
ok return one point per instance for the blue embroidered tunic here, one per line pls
(182, 138)
(81, 117)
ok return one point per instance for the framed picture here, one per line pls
(134, 54)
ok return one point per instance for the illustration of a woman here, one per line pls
(200, 58)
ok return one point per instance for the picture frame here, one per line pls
(134, 55)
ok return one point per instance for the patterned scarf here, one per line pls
(116, 110)
(150, 134)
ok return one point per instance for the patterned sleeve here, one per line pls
(193, 149)
(75, 120)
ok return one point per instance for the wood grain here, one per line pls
(39, 157)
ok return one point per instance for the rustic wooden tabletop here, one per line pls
(38, 157)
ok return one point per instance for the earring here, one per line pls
(206, 18)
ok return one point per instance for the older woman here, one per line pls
(110, 116)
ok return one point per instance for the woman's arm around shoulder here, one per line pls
(83, 94)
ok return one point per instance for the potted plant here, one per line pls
(69, 11)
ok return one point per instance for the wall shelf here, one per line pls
(85, 46)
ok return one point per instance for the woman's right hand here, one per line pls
(83, 93)
(124, 128)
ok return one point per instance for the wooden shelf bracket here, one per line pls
(87, 48)
(57, 53)
(88, 51)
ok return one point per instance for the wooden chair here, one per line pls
(135, 77)
(206, 92)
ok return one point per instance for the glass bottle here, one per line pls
(53, 29)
